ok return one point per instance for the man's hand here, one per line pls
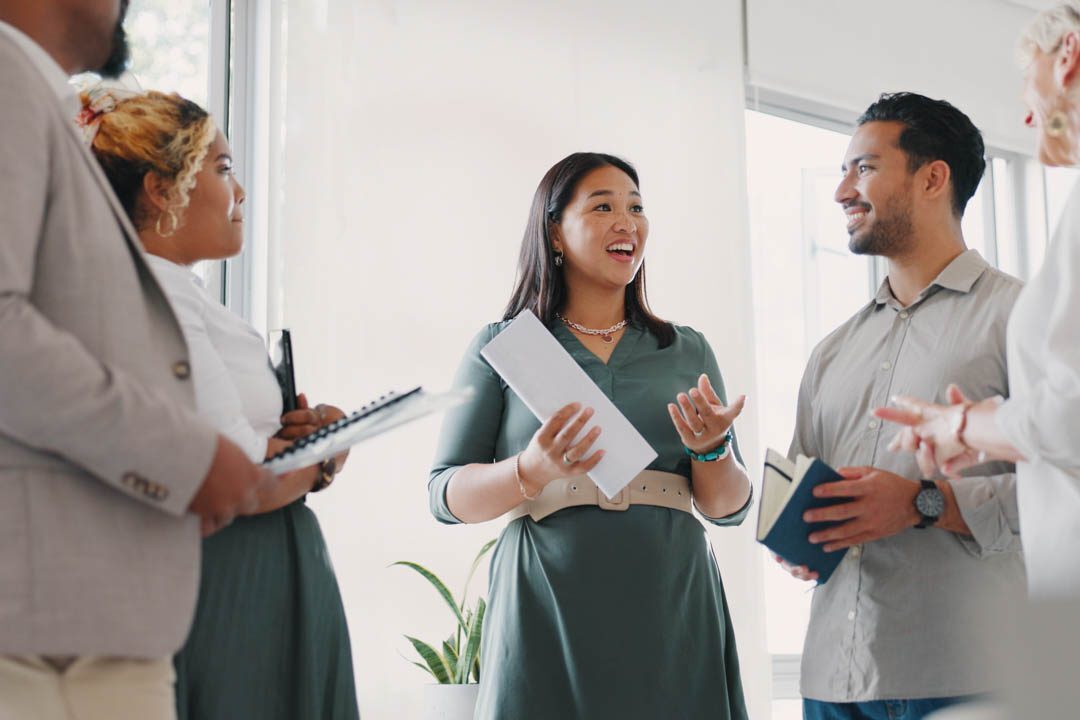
(882, 504)
(232, 487)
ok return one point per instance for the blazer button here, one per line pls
(181, 369)
(130, 479)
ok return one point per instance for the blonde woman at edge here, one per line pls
(1038, 426)
(599, 610)
(269, 639)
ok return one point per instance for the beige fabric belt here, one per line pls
(649, 487)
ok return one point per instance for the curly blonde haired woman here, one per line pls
(269, 638)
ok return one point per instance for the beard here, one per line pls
(889, 234)
(120, 52)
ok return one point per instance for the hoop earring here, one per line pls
(558, 259)
(174, 223)
(1056, 124)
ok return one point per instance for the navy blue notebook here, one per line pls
(786, 493)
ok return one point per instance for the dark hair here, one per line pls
(935, 130)
(540, 285)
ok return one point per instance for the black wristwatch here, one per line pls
(929, 503)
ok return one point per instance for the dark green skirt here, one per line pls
(269, 640)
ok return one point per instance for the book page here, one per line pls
(546, 378)
(775, 490)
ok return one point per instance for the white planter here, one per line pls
(449, 702)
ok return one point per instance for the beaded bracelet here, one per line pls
(720, 452)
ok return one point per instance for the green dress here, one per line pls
(593, 613)
(269, 640)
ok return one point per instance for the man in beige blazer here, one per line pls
(105, 471)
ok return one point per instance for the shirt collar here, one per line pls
(959, 276)
(54, 75)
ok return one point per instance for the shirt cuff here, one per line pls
(981, 506)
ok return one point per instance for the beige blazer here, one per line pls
(100, 450)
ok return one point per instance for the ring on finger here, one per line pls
(698, 433)
(566, 459)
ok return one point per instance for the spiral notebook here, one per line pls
(374, 418)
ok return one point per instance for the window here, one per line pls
(806, 283)
(170, 46)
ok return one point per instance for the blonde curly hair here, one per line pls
(152, 132)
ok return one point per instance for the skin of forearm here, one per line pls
(721, 487)
(290, 487)
(951, 519)
(483, 491)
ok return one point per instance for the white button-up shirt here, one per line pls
(1042, 416)
(235, 388)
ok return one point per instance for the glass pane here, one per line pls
(805, 284)
(170, 46)
(1005, 214)
(973, 224)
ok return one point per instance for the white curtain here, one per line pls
(405, 141)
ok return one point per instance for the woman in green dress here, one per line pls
(599, 610)
(269, 639)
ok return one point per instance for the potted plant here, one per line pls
(455, 663)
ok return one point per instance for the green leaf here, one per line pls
(475, 564)
(423, 667)
(434, 661)
(451, 657)
(438, 584)
(472, 646)
(454, 641)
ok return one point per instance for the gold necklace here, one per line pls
(604, 334)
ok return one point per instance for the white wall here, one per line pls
(844, 53)
(413, 135)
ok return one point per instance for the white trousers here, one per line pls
(86, 688)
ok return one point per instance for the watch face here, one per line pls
(930, 502)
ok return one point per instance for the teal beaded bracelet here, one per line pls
(720, 452)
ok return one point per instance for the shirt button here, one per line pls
(886, 365)
(181, 369)
(855, 552)
(851, 615)
(872, 424)
(904, 315)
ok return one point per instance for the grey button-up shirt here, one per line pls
(900, 618)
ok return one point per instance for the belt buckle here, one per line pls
(620, 502)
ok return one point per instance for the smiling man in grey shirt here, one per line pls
(897, 631)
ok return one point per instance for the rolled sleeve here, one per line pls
(735, 518)
(988, 506)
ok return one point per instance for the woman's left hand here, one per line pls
(701, 418)
(306, 420)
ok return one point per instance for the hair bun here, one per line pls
(96, 101)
